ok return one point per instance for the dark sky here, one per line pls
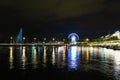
(88, 18)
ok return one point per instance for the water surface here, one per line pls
(73, 59)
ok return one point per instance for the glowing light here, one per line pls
(117, 57)
(11, 58)
(95, 51)
(87, 59)
(61, 56)
(23, 58)
(19, 37)
(23, 52)
(87, 39)
(73, 52)
(74, 37)
(87, 55)
(117, 65)
(91, 50)
(61, 49)
(73, 57)
(44, 55)
(116, 34)
(53, 55)
(34, 57)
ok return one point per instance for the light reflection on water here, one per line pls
(34, 57)
(23, 58)
(73, 58)
(11, 58)
(53, 55)
(44, 54)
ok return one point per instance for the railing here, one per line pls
(27, 44)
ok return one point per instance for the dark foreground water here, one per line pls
(59, 63)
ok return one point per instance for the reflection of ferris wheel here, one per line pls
(74, 37)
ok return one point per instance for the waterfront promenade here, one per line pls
(114, 44)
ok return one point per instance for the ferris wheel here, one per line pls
(74, 38)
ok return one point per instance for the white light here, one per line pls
(73, 39)
(44, 55)
(53, 56)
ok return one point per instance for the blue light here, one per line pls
(19, 37)
(73, 58)
(74, 38)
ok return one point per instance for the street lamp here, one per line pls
(24, 39)
(53, 39)
(35, 39)
(44, 39)
(87, 39)
(11, 39)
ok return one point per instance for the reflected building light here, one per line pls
(64, 58)
(106, 54)
(73, 57)
(91, 52)
(23, 58)
(38, 52)
(61, 56)
(79, 49)
(117, 57)
(34, 57)
(56, 50)
(109, 54)
(53, 56)
(117, 65)
(87, 55)
(21, 50)
(61, 49)
(11, 58)
(44, 55)
(73, 52)
(64, 53)
(95, 51)
(102, 54)
(83, 50)
(87, 59)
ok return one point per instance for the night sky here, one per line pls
(88, 18)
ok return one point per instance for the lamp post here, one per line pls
(11, 39)
(44, 39)
(24, 39)
(53, 39)
(87, 39)
(35, 39)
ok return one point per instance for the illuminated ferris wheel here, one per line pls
(74, 38)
